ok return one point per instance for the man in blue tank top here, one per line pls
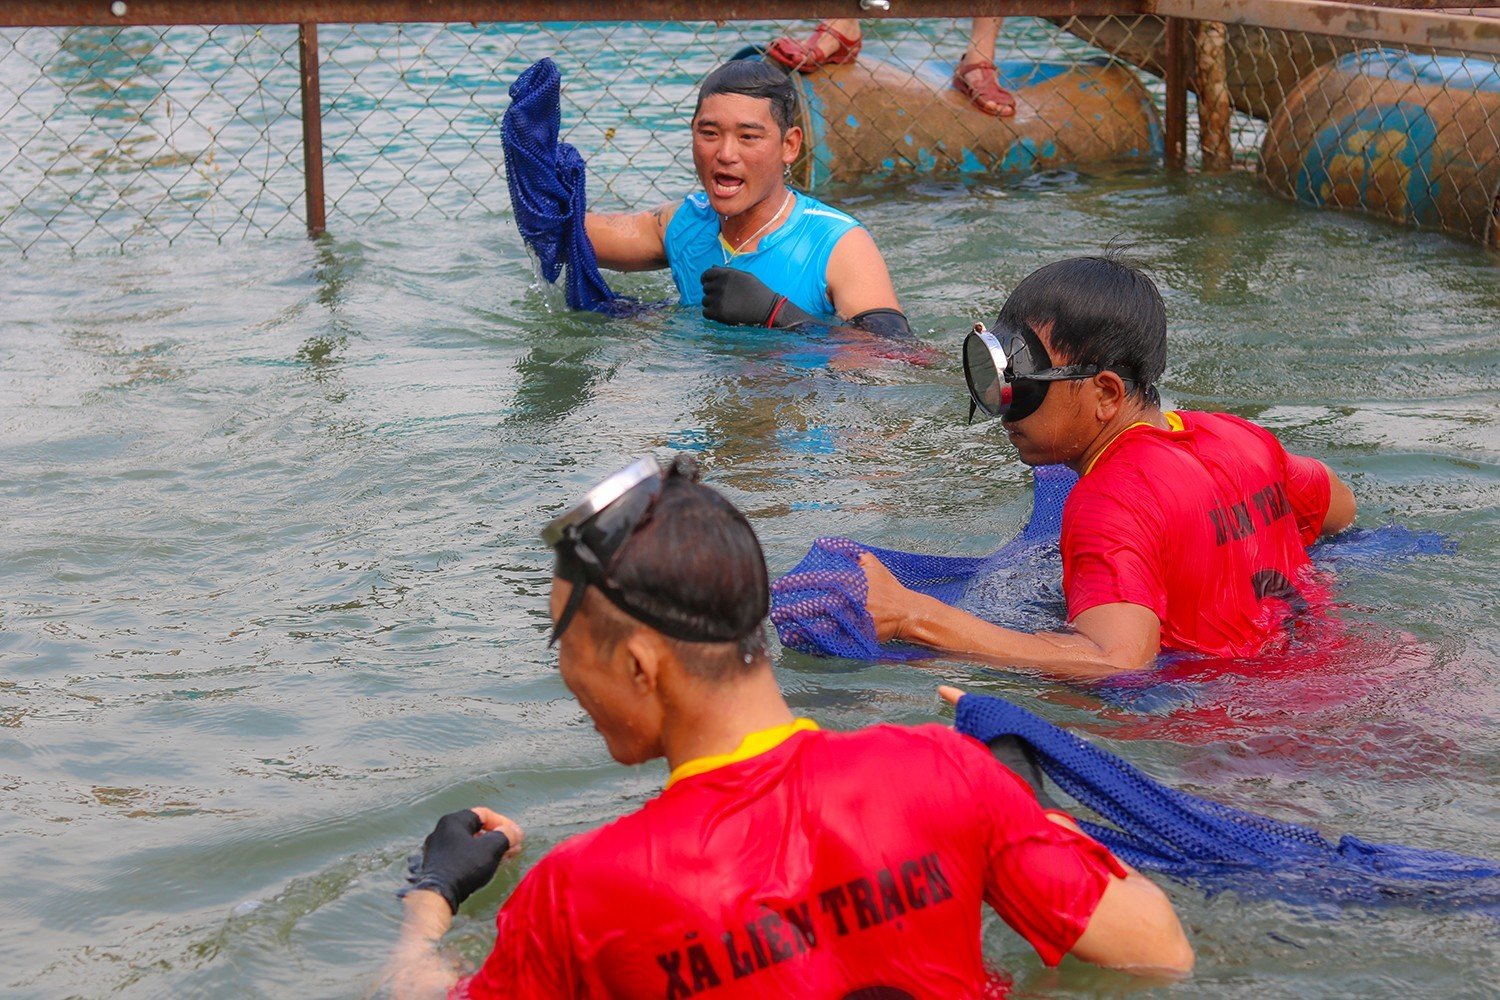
(747, 248)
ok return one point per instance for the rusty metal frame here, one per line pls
(1174, 140)
(312, 128)
(79, 13)
(1422, 28)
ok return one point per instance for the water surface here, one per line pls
(271, 598)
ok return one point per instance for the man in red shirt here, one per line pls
(780, 860)
(1186, 531)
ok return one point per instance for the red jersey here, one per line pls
(831, 863)
(1207, 524)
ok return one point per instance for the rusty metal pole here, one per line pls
(1214, 146)
(312, 128)
(1175, 140)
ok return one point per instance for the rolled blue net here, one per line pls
(1217, 847)
(547, 180)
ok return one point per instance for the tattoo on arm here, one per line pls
(660, 215)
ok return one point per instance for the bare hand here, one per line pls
(491, 820)
(950, 694)
(887, 601)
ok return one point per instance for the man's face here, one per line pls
(1061, 429)
(739, 152)
(606, 683)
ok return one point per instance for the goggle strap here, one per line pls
(575, 599)
(666, 626)
(588, 563)
(594, 575)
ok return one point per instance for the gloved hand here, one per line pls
(455, 863)
(739, 298)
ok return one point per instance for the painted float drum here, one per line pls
(1415, 138)
(870, 119)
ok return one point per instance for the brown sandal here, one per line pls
(804, 57)
(987, 90)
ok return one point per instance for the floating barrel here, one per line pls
(1415, 138)
(869, 119)
(1260, 66)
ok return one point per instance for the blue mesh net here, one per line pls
(1218, 847)
(819, 606)
(547, 181)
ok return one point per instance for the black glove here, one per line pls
(1017, 755)
(886, 322)
(739, 298)
(454, 863)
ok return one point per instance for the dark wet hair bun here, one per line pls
(754, 78)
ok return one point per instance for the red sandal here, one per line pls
(804, 57)
(987, 90)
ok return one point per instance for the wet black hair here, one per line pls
(754, 78)
(1101, 312)
(695, 560)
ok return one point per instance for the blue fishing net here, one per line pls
(1218, 847)
(819, 606)
(547, 180)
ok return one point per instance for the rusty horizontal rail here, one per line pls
(80, 13)
(1296, 14)
(1420, 28)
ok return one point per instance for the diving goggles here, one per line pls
(588, 539)
(1008, 371)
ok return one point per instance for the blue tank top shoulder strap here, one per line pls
(792, 259)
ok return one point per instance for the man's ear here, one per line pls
(791, 144)
(1112, 394)
(646, 654)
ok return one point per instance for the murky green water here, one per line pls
(271, 598)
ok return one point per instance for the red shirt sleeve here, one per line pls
(533, 954)
(1309, 489)
(1043, 879)
(1113, 546)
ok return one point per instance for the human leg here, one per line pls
(976, 78)
(833, 42)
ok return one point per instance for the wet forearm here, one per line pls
(930, 622)
(416, 970)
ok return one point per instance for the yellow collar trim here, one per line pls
(1174, 423)
(752, 745)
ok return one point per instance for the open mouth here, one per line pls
(727, 185)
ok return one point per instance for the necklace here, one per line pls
(729, 251)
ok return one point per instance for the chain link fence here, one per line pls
(116, 136)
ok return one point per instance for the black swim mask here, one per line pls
(588, 539)
(1009, 371)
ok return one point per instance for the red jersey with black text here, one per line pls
(830, 864)
(1206, 523)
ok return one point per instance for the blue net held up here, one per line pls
(819, 606)
(547, 180)
(1162, 829)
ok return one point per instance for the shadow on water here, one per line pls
(333, 269)
(556, 380)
